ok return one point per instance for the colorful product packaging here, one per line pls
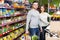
(0, 11)
(4, 11)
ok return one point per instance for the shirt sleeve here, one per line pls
(39, 20)
(40, 24)
(28, 20)
(49, 17)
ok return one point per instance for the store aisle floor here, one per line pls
(55, 28)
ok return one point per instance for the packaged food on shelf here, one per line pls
(6, 5)
(12, 19)
(1, 31)
(11, 11)
(15, 5)
(8, 28)
(12, 35)
(18, 18)
(15, 19)
(22, 6)
(4, 11)
(16, 33)
(0, 21)
(5, 38)
(22, 37)
(22, 17)
(4, 21)
(1, 38)
(0, 11)
(5, 29)
(21, 30)
(7, 13)
(8, 21)
(16, 25)
(1, 2)
(27, 37)
(11, 27)
(9, 37)
(17, 12)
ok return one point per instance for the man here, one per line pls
(32, 22)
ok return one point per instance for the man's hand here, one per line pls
(27, 32)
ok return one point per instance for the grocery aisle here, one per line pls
(12, 19)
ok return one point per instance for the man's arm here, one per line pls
(27, 21)
(40, 27)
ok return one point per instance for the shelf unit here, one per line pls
(4, 34)
(12, 24)
(8, 33)
(1, 17)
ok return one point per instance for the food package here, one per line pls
(12, 35)
(28, 37)
(1, 1)
(17, 12)
(16, 33)
(22, 37)
(4, 11)
(9, 37)
(21, 30)
(1, 38)
(5, 29)
(0, 11)
(0, 21)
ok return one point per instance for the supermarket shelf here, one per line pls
(19, 36)
(7, 33)
(12, 23)
(9, 8)
(11, 16)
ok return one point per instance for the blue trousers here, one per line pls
(35, 31)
